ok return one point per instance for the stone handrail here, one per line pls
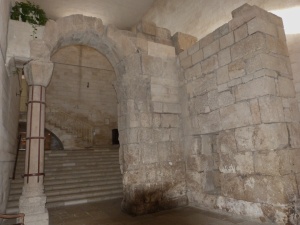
(70, 123)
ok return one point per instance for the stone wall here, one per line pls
(241, 119)
(9, 103)
(82, 85)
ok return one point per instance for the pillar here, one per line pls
(33, 199)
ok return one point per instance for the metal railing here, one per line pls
(19, 216)
(71, 124)
(16, 159)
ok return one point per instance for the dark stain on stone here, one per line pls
(150, 200)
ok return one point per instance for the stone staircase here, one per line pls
(74, 177)
(74, 132)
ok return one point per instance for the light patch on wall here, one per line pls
(291, 18)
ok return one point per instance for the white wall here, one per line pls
(9, 105)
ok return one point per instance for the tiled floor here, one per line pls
(109, 213)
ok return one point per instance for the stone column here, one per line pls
(33, 199)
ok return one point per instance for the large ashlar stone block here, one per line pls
(294, 133)
(267, 163)
(286, 87)
(224, 57)
(226, 40)
(244, 138)
(259, 25)
(248, 45)
(207, 123)
(226, 142)
(202, 85)
(236, 69)
(271, 109)
(244, 163)
(270, 189)
(232, 186)
(255, 88)
(237, 115)
(183, 41)
(210, 64)
(211, 49)
(265, 61)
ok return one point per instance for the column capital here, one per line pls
(38, 72)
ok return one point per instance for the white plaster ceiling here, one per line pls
(121, 13)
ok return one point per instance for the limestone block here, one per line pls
(241, 33)
(171, 108)
(232, 186)
(227, 164)
(291, 110)
(193, 49)
(169, 120)
(244, 138)
(198, 104)
(160, 50)
(145, 135)
(38, 72)
(197, 57)
(202, 85)
(271, 109)
(210, 64)
(234, 82)
(226, 142)
(163, 33)
(227, 40)
(259, 25)
(223, 87)
(225, 98)
(211, 49)
(267, 163)
(50, 35)
(244, 163)
(236, 69)
(248, 45)
(224, 57)
(264, 189)
(199, 163)
(149, 152)
(147, 28)
(255, 88)
(161, 134)
(132, 135)
(164, 151)
(255, 111)
(186, 62)
(205, 143)
(156, 120)
(157, 107)
(222, 75)
(286, 87)
(146, 119)
(277, 46)
(207, 123)
(39, 50)
(270, 136)
(294, 132)
(207, 40)
(183, 41)
(264, 61)
(193, 72)
(132, 155)
(152, 65)
(237, 115)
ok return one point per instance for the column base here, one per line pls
(34, 209)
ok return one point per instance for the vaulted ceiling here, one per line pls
(121, 13)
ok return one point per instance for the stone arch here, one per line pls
(147, 89)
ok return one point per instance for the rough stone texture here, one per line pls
(9, 104)
(253, 127)
(182, 41)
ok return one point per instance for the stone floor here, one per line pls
(109, 213)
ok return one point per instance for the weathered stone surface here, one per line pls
(163, 33)
(237, 115)
(197, 57)
(248, 45)
(226, 98)
(286, 87)
(38, 73)
(226, 142)
(267, 163)
(210, 64)
(240, 33)
(207, 123)
(294, 132)
(226, 40)
(255, 88)
(259, 25)
(244, 163)
(182, 41)
(224, 57)
(271, 109)
(255, 111)
(232, 186)
(211, 49)
(222, 75)
(236, 69)
(244, 138)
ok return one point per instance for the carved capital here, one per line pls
(38, 72)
